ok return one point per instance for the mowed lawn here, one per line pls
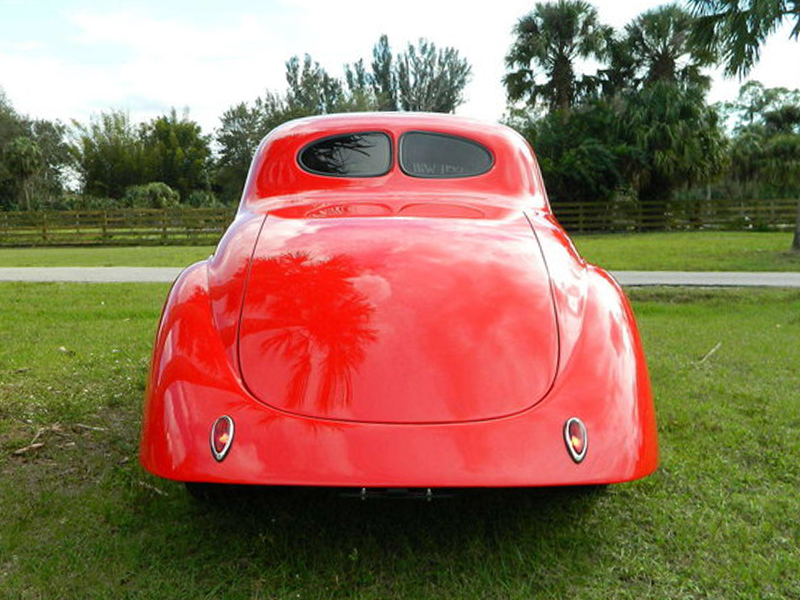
(671, 251)
(80, 519)
(691, 251)
(104, 256)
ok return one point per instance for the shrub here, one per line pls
(203, 199)
(151, 195)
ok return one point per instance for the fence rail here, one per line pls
(206, 225)
(630, 216)
(114, 227)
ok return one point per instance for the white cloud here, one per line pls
(226, 53)
(157, 64)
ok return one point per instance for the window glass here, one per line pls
(440, 156)
(350, 155)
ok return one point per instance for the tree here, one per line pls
(176, 152)
(23, 158)
(383, 77)
(359, 96)
(658, 42)
(242, 128)
(549, 41)
(48, 184)
(109, 153)
(429, 79)
(657, 83)
(45, 185)
(582, 155)
(620, 72)
(765, 146)
(311, 91)
(755, 101)
(422, 78)
(12, 126)
(746, 153)
(680, 139)
(737, 28)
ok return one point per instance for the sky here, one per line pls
(70, 59)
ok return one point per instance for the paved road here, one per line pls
(626, 278)
(91, 274)
(708, 278)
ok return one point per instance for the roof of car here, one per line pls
(275, 172)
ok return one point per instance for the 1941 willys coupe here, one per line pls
(395, 306)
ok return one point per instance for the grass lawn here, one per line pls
(79, 518)
(674, 251)
(110, 256)
(691, 251)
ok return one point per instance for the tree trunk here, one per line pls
(796, 240)
(26, 190)
(654, 203)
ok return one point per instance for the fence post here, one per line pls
(163, 225)
(44, 227)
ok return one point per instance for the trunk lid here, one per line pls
(398, 320)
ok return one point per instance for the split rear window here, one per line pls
(439, 156)
(353, 155)
(422, 154)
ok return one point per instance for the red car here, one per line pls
(395, 306)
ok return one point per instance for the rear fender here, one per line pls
(606, 381)
(188, 351)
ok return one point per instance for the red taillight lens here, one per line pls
(221, 437)
(576, 438)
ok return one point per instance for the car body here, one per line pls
(395, 306)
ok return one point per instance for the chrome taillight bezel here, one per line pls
(219, 456)
(576, 455)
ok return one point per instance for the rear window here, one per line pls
(440, 156)
(366, 154)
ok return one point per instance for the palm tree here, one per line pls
(549, 40)
(680, 139)
(736, 29)
(659, 46)
(24, 160)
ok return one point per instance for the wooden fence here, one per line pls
(712, 214)
(206, 225)
(114, 227)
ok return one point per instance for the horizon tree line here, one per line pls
(170, 160)
(637, 128)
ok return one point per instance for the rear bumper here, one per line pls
(271, 448)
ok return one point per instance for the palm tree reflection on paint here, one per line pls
(319, 322)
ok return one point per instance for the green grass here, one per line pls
(674, 251)
(691, 251)
(113, 256)
(79, 518)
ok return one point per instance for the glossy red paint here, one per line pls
(391, 320)
(397, 332)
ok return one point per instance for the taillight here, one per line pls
(221, 437)
(577, 438)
